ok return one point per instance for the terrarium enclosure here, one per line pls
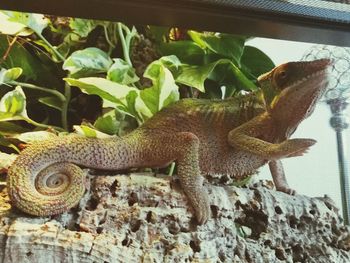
(85, 75)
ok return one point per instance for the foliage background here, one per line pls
(102, 78)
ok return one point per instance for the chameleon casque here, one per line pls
(202, 136)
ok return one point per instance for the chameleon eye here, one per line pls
(282, 74)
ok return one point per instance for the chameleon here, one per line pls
(233, 136)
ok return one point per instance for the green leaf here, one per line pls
(13, 103)
(6, 160)
(7, 75)
(131, 106)
(9, 128)
(195, 76)
(33, 68)
(107, 124)
(85, 130)
(52, 102)
(187, 51)
(7, 116)
(6, 143)
(226, 45)
(158, 33)
(30, 137)
(121, 72)
(171, 62)
(164, 90)
(106, 89)
(36, 22)
(113, 94)
(83, 27)
(12, 28)
(88, 131)
(255, 61)
(87, 62)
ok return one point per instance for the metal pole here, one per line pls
(344, 177)
(339, 123)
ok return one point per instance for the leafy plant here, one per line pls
(52, 66)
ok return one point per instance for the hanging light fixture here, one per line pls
(337, 98)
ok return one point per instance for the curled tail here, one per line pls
(45, 180)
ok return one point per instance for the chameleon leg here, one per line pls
(279, 178)
(183, 148)
(267, 150)
(190, 177)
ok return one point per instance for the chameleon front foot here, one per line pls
(295, 147)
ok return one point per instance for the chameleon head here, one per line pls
(296, 87)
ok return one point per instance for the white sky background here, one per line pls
(316, 173)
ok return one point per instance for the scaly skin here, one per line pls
(233, 136)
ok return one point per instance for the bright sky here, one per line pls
(316, 173)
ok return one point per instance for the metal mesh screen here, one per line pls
(320, 21)
(318, 9)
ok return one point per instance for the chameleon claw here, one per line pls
(202, 209)
(286, 190)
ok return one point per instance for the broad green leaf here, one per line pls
(121, 72)
(106, 89)
(195, 76)
(187, 51)
(36, 22)
(33, 68)
(7, 116)
(89, 132)
(14, 103)
(7, 143)
(164, 90)
(52, 102)
(134, 108)
(9, 128)
(255, 61)
(83, 27)
(30, 137)
(6, 160)
(113, 94)
(229, 46)
(85, 130)
(87, 62)
(7, 75)
(12, 28)
(158, 33)
(171, 62)
(107, 124)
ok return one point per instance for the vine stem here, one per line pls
(10, 45)
(125, 45)
(58, 54)
(35, 87)
(41, 125)
(67, 95)
(172, 168)
(63, 98)
(67, 90)
(111, 45)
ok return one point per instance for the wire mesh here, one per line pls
(331, 10)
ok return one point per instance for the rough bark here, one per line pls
(145, 218)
